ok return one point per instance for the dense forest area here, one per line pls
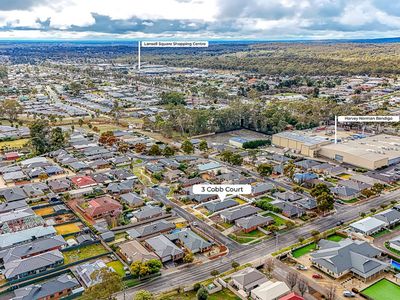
(318, 58)
(263, 117)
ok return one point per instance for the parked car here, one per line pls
(317, 276)
(349, 294)
(301, 267)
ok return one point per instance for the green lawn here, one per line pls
(118, 267)
(278, 220)
(241, 239)
(303, 250)
(335, 238)
(265, 198)
(84, 252)
(383, 290)
(380, 233)
(225, 294)
(354, 200)
(255, 234)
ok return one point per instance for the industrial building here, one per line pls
(370, 153)
(300, 142)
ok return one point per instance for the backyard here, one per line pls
(383, 290)
(83, 253)
(44, 211)
(67, 229)
(17, 144)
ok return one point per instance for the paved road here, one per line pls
(251, 253)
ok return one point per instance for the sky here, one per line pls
(199, 19)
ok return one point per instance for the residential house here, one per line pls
(270, 290)
(288, 209)
(132, 199)
(13, 239)
(147, 212)
(391, 217)
(307, 203)
(190, 240)
(59, 185)
(344, 192)
(134, 251)
(21, 268)
(17, 220)
(288, 196)
(54, 288)
(248, 279)
(214, 206)
(152, 229)
(232, 215)
(83, 181)
(251, 223)
(348, 256)
(101, 207)
(261, 188)
(368, 226)
(395, 243)
(164, 248)
(86, 270)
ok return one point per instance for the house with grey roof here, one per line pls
(59, 185)
(391, 217)
(288, 209)
(248, 279)
(122, 187)
(24, 236)
(307, 203)
(367, 226)
(306, 164)
(348, 256)
(190, 240)
(13, 194)
(288, 196)
(251, 223)
(232, 215)
(86, 270)
(15, 176)
(132, 199)
(164, 248)
(21, 268)
(60, 286)
(395, 243)
(214, 206)
(355, 185)
(35, 247)
(147, 212)
(10, 206)
(261, 188)
(151, 229)
(344, 192)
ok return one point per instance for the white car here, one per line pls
(349, 294)
(301, 267)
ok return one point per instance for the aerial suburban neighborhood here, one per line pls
(191, 170)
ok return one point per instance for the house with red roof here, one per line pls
(100, 208)
(83, 181)
(291, 296)
(11, 156)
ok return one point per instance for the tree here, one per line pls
(202, 294)
(168, 151)
(288, 170)
(265, 169)
(10, 108)
(235, 265)
(107, 138)
(291, 279)
(214, 273)
(141, 269)
(188, 258)
(155, 150)
(173, 98)
(289, 224)
(57, 139)
(203, 146)
(196, 286)
(331, 294)
(272, 228)
(302, 285)
(110, 283)
(269, 266)
(43, 176)
(123, 147)
(39, 136)
(187, 147)
(301, 240)
(80, 122)
(140, 147)
(143, 295)
(316, 235)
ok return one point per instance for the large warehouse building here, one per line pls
(370, 153)
(300, 142)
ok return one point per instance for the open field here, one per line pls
(221, 295)
(383, 290)
(44, 211)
